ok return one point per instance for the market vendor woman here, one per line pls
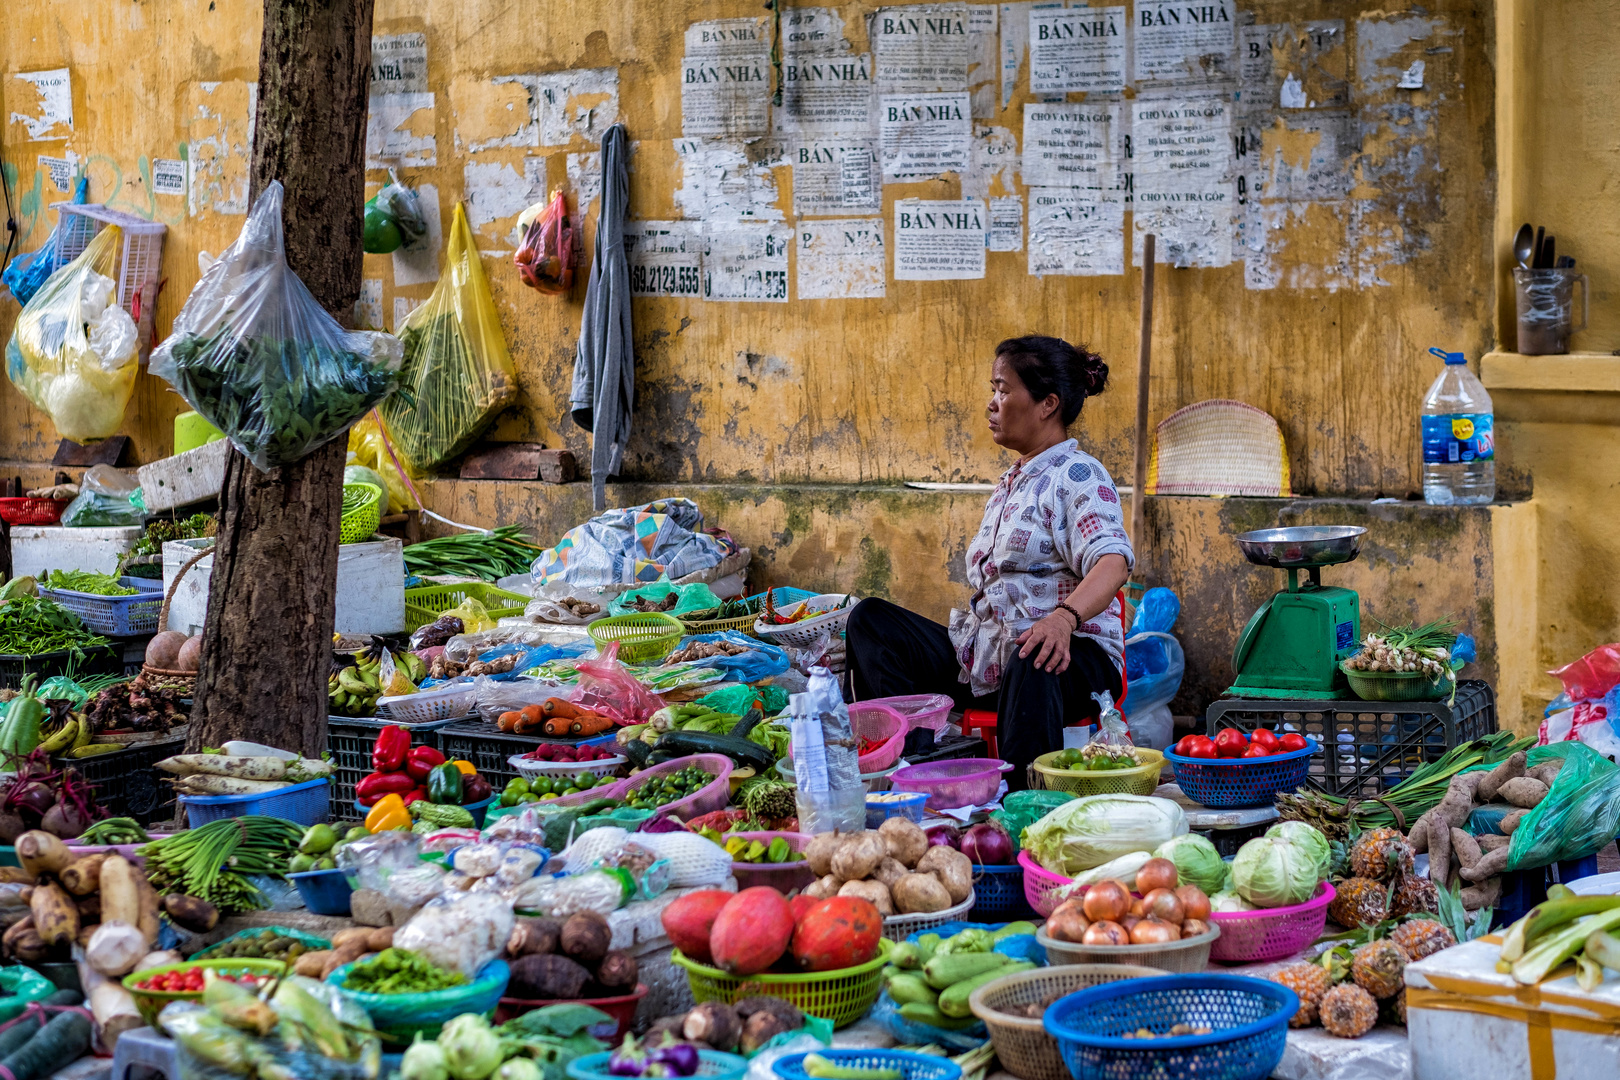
(1043, 630)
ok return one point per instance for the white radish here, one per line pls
(245, 768)
(237, 748)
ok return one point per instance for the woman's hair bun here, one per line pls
(1049, 365)
(1094, 372)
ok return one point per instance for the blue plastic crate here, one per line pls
(1249, 1017)
(910, 808)
(301, 804)
(911, 1066)
(712, 1065)
(325, 892)
(116, 616)
(999, 895)
(1524, 889)
(1225, 783)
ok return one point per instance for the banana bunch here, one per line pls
(64, 737)
(353, 690)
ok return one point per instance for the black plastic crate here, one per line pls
(126, 783)
(96, 660)
(946, 748)
(1367, 746)
(487, 748)
(1227, 841)
(349, 740)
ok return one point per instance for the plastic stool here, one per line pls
(146, 1052)
(981, 722)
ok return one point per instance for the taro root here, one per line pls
(530, 936)
(586, 938)
(715, 1024)
(547, 976)
(618, 971)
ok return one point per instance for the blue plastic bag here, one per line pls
(27, 273)
(1154, 662)
(761, 661)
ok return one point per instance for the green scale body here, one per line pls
(1292, 646)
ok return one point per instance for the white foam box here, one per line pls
(370, 587)
(38, 548)
(185, 478)
(1467, 1021)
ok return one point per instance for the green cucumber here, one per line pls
(911, 989)
(906, 955)
(954, 1000)
(946, 971)
(1013, 929)
(749, 721)
(682, 743)
(824, 1069)
(637, 751)
(928, 1014)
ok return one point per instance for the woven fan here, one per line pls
(1218, 448)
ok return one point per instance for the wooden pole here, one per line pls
(1143, 366)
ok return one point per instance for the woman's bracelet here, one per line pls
(1075, 614)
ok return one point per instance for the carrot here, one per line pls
(556, 726)
(560, 708)
(508, 721)
(533, 714)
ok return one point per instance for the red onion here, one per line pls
(987, 844)
(949, 835)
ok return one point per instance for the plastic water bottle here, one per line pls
(1459, 437)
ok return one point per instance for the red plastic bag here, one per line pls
(606, 687)
(1593, 675)
(545, 258)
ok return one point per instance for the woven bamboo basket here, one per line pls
(183, 682)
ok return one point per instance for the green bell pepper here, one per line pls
(444, 785)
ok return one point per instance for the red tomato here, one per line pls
(1202, 746)
(1230, 742)
(1264, 737)
(1256, 750)
(1184, 745)
(1291, 741)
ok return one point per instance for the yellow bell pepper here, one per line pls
(389, 813)
(465, 768)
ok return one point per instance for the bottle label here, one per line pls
(1458, 437)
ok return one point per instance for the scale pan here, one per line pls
(1302, 546)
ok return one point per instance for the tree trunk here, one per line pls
(267, 649)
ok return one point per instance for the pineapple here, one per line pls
(1414, 894)
(1310, 982)
(1393, 1010)
(1422, 937)
(1348, 1011)
(1377, 967)
(1380, 854)
(1359, 902)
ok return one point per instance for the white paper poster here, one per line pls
(841, 259)
(403, 306)
(368, 307)
(417, 262)
(924, 135)
(725, 180)
(398, 64)
(993, 162)
(984, 63)
(1177, 40)
(1077, 49)
(666, 258)
(1192, 218)
(813, 31)
(826, 95)
(400, 131)
(581, 103)
(1180, 137)
(939, 240)
(1295, 65)
(1006, 224)
(1071, 145)
(585, 177)
(1074, 232)
(726, 95)
(60, 170)
(921, 48)
(1014, 43)
(168, 176)
(836, 177)
(46, 103)
(746, 262)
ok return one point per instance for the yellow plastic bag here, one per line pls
(74, 351)
(367, 451)
(473, 615)
(457, 372)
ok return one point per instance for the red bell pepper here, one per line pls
(1230, 742)
(388, 752)
(415, 795)
(378, 784)
(420, 761)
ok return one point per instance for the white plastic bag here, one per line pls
(829, 793)
(460, 931)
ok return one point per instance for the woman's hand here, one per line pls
(1049, 639)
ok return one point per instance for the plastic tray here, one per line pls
(911, 808)
(1141, 780)
(621, 1007)
(1248, 937)
(712, 1065)
(425, 706)
(1187, 956)
(800, 634)
(302, 804)
(1000, 894)
(1041, 885)
(1250, 1018)
(783, 877)
(325, 892)
(841, 996)
(931, 711)
(1226, 783)
(950, 784)
(912, 1066)
(116, 616)
(1022, 1043)
(898, 926)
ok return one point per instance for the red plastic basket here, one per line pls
(1041, 885)
(622, 1009)
(1248, 937)
(26, 511)
(882, 724)
(783, 877)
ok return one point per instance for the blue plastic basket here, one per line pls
(1249, 1017)
(1224, 783)
(712, 1065)
(910, 808)
(399, 1017)
(911, 1066)
(301, 804)
(325, 892)
(999, 895)
(116, 616)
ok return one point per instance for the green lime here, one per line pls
(548, 796)
(570, 791)
(541, 786)
(584, 781)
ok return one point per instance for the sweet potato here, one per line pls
(1489, 865)
(82, 876)
(1523, 792)
(55, 916)
(1466, 847)
(1511, 821)
(547, 976)
(1546, 772)
(311, 964)
(379, 939)
(198, 916)
(1491, 841)
(1419, 836)
(1511, 767)
(355, 934)
(347, 953)
(859, 855)
(1450, 814)
(1484, 894)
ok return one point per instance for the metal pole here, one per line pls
(1143, 365)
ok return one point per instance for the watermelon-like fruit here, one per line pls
(751, 932)
(689, 920)
(840, 932)
(799, 905)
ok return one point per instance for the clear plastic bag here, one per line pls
(545, 258)
(74, 352)
(1112, 731)
(459, 932)
(829, 793)
(106, 497)
(254, 353)
(688, 599)
(606, 687)
(601, 891)
(456, 369)
(319, 1033)
(393, 218)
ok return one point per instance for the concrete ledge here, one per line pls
(1572, 372)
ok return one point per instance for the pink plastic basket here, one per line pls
(783, 877)
(880, 723)
(949, 784)
(705, 800)
(1248, 937)
(931, 711)
(1041, 885)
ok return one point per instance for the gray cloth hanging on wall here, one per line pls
(604, 363)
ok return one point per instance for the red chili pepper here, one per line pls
(388, 752)
(378, 784)
(415, 795)
(421, 761)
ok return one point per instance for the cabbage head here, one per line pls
(1095, 829)
(1197, 862)
(1272, 872)
(1308, 837)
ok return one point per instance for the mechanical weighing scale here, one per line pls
(1292, 645)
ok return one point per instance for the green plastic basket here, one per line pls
(151, 1002)
(644, 638)
(1394, 685)
(841, 996)
(310, 942)
(362, 513)
(428, 602)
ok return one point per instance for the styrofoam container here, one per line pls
(370, 587)
(184, 478)
(36, 549)
(1597, 885)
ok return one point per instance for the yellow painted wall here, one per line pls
(840, 391)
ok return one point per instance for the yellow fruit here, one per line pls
(1378, 967)
(1413, 895)
(1380, 854)
(1422, 937)
(1359, 902)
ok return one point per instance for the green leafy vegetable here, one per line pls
(30, 625)
(400, 971)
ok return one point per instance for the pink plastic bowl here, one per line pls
(712, 796)
(783, 877)
(1248, 937)
(1041, 885)
(931, 711)
(949, 784)
(880, 723)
